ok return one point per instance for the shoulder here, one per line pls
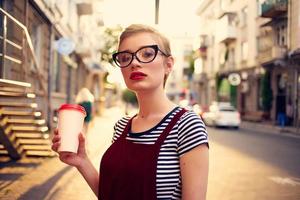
(191, 132)
(120, 126)
(189, 118)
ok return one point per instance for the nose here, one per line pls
(135, 61)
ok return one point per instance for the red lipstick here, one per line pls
(137, 76)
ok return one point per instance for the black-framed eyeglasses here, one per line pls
(145, 54)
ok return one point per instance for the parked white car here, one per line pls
(222, 114)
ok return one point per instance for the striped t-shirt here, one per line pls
(188, 133)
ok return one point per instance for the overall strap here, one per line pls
(169, 127)
(127, 128)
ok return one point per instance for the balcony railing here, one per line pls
(271, 54)
(226, 29)
(227, 35)
(273, 8)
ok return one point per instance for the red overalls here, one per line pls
(128, 170)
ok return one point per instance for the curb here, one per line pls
(270, 129)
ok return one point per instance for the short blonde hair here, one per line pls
(164, 43)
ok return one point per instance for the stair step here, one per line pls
(27, 121)
(20, 113)
(32, 135)
(12, 89)
(3, 152)
(34, 141)
(36, 147)
(17, 104)
(40, 153)
(4, 121)
(17, 94)
(14, 83)
(29, 128)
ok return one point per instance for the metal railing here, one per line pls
(20, 61)
(269, 4)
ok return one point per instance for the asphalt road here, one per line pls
(250, 165)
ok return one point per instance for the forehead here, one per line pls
(137, 40)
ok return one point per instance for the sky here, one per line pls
(177, 20)
(176, 17)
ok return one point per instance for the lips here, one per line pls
(137, 76)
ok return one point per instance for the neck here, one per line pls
(153, 104)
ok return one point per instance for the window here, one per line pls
(244, 50)
(231, 58)
(244, 16)
(258, 7)
(37, 38)
(56, 72)
(281, 33)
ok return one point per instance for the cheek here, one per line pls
(125, 72)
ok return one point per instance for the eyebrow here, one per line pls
(127, 50)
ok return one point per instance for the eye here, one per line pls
(147, 53)
(124, 57)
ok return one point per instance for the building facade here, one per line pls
(55, 76)
(252, 40)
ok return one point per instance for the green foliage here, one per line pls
(129, 97)
(218, 84)
(191, 67)
(266, 92)
(190, 58)
(110, 37)
(233, 95)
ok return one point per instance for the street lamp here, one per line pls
(156, 11)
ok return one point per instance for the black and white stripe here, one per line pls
(188, 133)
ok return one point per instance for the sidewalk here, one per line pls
(270, 128)
(48, 178)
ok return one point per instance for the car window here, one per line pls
(227, 109)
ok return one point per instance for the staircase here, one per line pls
(23, 131)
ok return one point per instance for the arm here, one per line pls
(80, 161)
(90, 174)
(194, 173)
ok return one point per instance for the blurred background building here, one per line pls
(256, 42)
(49, 51)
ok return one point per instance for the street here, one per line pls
(243, 165)
(251, 165)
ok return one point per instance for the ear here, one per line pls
(169, 63)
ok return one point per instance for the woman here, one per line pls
(86, 99)
(161, 152)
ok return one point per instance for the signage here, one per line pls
(234, 79)
(64, 46)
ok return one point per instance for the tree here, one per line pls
(129, 97)
(110, 37)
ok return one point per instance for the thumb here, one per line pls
(81, 146)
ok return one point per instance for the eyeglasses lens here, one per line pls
(144, 55)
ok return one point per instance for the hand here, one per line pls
(72, 159)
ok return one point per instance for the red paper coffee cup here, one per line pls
(70, 124)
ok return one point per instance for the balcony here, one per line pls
(203, 52)
(271, 54)
(227, 35)
(226, 29)
(273, 8)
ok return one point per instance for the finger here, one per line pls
(81, 137)
(56, 138)
(55, 146)
(81, 146)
